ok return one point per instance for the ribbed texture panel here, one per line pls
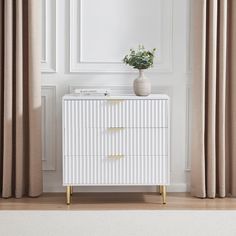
(120, 171)
(118, 113)
(113, 142)
(127, 141)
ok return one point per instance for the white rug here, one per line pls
(117, 223)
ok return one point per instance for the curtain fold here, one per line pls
(20, 98)
(214, 99)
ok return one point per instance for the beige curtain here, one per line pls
(20, 98)
(214, 99)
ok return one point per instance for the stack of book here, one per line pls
(92, 92)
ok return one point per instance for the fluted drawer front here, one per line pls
(116, 113)
(138, 141)
(116, 171)
(116, 141)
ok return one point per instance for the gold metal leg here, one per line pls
(160, 189)
(71, 190)
(164, 194)
(68, 189)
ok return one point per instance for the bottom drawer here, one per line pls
(116, 171)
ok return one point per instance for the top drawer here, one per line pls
(107, 113)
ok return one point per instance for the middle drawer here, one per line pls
(116, 141)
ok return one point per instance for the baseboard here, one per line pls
(178, 187)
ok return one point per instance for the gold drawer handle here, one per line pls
(115, 128)
(116, 156)
(115, 101)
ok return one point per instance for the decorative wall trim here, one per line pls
(189, 68)
(188, 126)
(78, 64)
(49, 38)
(44, 25)
(49, 127)
(189, 62)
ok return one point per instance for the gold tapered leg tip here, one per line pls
(68, 196)
(163, 194)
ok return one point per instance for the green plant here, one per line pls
(140, 58)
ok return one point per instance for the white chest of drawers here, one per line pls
(116, 140)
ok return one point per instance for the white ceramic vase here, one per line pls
(142, 85)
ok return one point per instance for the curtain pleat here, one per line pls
(1, 87)
(8, 101)
(232, 93)
(35, 97)
(20, 170)
(211, 54)
(20, 94)
(214, 100)
(198, 164)
(221, 99)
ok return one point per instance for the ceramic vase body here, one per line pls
(142, 85)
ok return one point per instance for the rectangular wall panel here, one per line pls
(114, 26)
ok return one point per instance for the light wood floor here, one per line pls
(117, 201)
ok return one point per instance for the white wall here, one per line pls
(84, 42)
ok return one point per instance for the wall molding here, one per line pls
(44, 25)
(188, 126)
(79, 65)
(189, 70)
(189, 38)
(49, 37)
(49, 127)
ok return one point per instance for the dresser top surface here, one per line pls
(127, 97)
